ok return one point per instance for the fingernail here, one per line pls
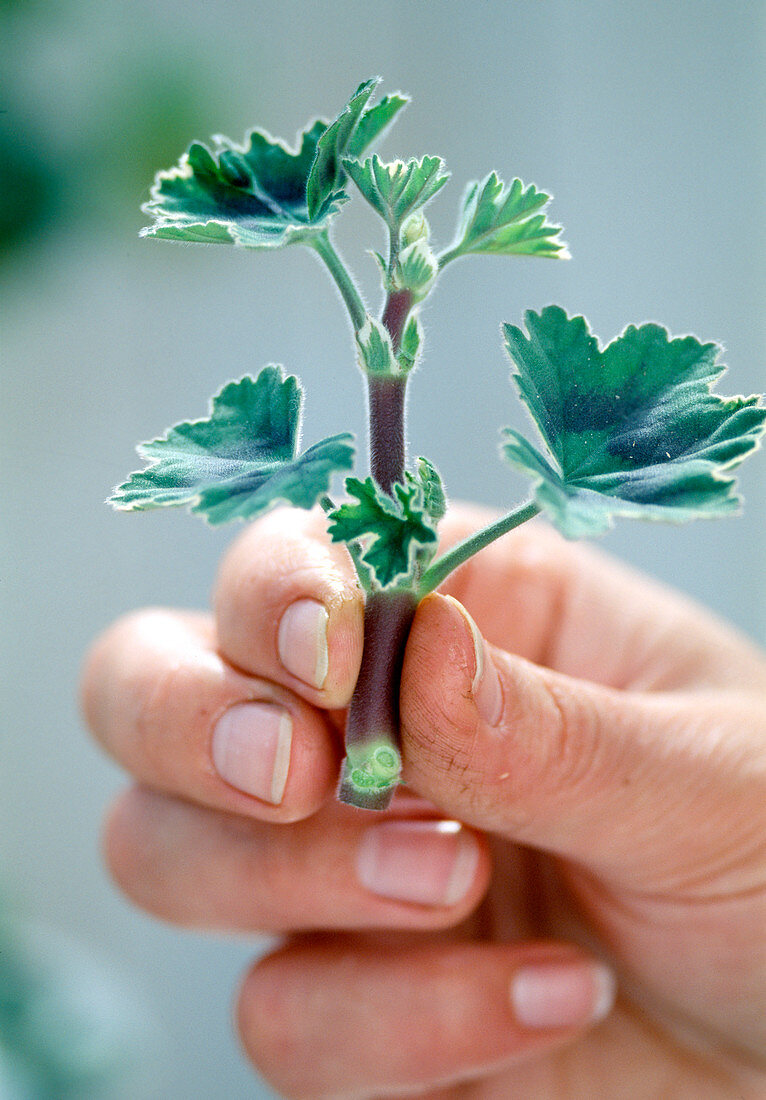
(562, 994)
(424, 862)
(251, 749)
(485, 688)
(302, 642)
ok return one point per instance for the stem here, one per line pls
(447, 256)
(372, 731)
(373, 717)
(440, 569)
(395, 314)
(343, 279)
(386, 395)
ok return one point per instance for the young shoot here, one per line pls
(630, 429)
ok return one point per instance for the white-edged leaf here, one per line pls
(633, 429)
(388, 533)
(505, 220)
(241, 459)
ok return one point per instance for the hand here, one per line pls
(602, 743)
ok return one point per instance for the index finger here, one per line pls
(288, 608)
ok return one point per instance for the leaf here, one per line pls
(387, 532)
(415, 269)
(412, 339)
(374, 122)
(262, 194)
(434, 497)
(395, 190)
(375, 350)
(326, 175)
(241, 459)
(632, 429)
(505, 220)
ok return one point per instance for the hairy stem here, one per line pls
(342, 278)
(372, 732)
(447, 256)
(372, 729)
(386, 395)
(440, 569)
(395, 314)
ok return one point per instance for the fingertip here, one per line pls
(287, 606)
(437, 709)
(562, 992)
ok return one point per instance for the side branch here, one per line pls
(440, 569)
(342, 278)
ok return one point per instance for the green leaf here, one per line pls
(262, 194)
(415, 269)
(395, 190)
(388, 533)
(434, 497)
(326, 176)
(374, 123)
(505, 220)
(241, 459)
(409, 348)
(633, 429)
(375, 350)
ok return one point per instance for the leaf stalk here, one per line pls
(440, 569)
(342, 279)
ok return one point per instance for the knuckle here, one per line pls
(569, 758)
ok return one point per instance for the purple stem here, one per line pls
(373, 716)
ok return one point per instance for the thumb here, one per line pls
(647, 789)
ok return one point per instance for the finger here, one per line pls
(160, 699)
(288, 607)
(205, 869)
(650, 790)
(328, 1019)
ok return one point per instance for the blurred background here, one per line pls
(646, 123)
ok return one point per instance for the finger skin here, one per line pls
(154, 689)
(201, 868)
(655, 803)
(330, 1018)
(281, 559)
(564, 756)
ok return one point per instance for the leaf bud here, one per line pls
(415, 228)
(415, 269)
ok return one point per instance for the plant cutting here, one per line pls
(629, 429)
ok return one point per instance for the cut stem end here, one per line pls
(355, 790)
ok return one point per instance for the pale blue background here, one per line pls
(646, 122)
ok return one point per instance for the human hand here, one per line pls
(609, 769)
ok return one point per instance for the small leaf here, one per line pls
(633, 429)
(434, 497)
(326, 176)
(376, 352)
(262, 194)
(241, 459)
(409, 348)
(374, 122)
(395, 190)
(505, 220)
(389, 532)
(415, 269)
